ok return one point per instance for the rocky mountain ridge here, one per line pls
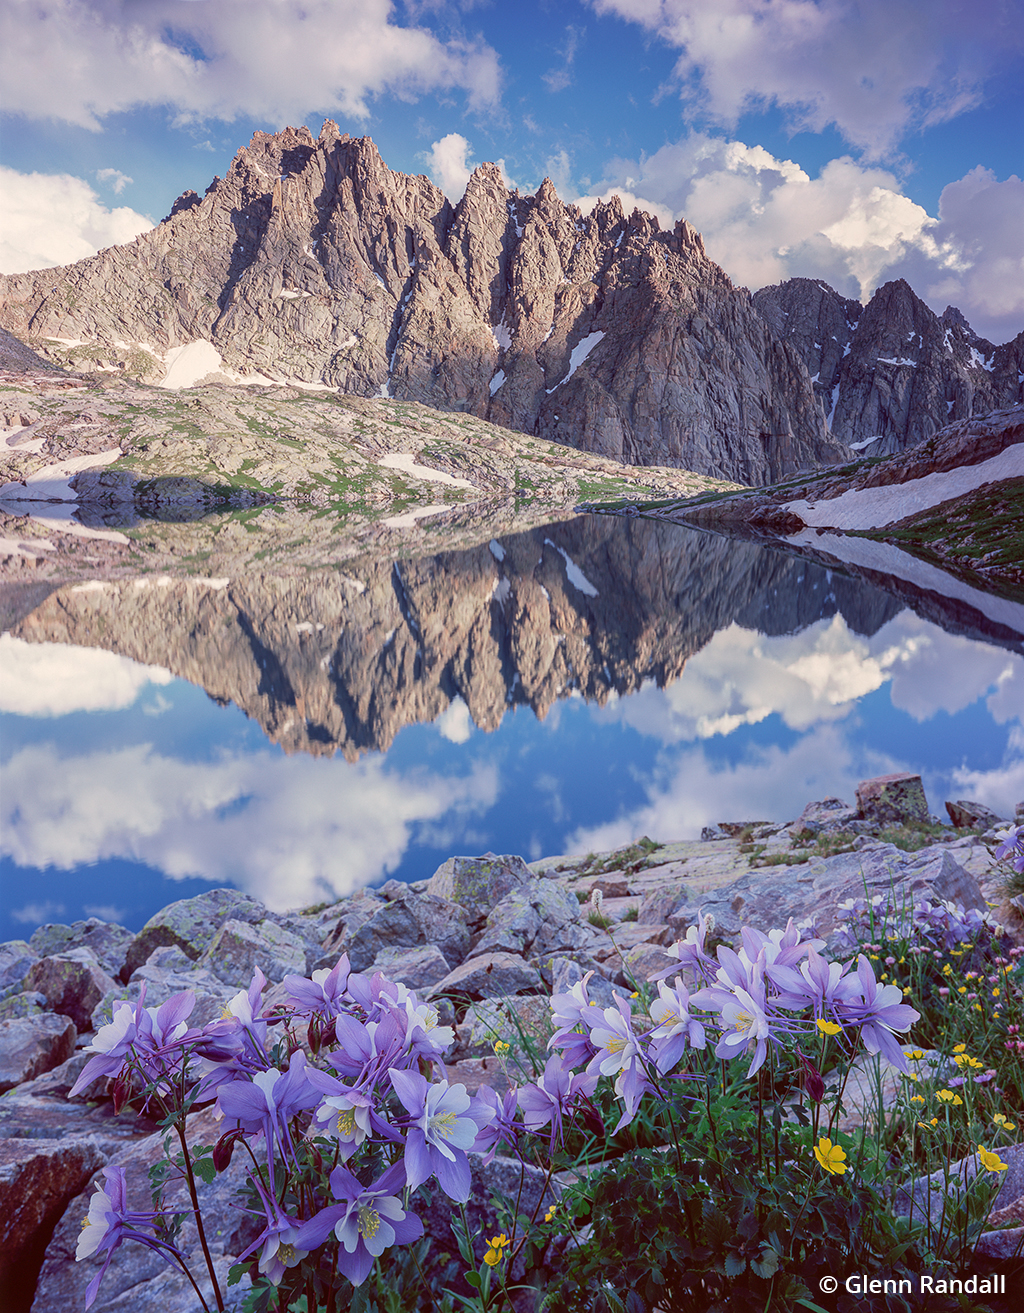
(312, 262)
(890, 374)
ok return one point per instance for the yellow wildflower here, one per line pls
(495, 1251)
(829, 1027)
(947, 1096)
(832, 1157)
(991, 1160)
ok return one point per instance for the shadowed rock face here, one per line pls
(892, 370)
(313, 261)
(338, 662)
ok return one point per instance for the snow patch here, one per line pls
(187, 364)
(981, 362)
(573, 572)
(889, 559)
(896, 360)
(52, 483)
(579, 353)
(497, 551)
(497, 381)
(406, 462)
(408, 520)
(501, 591)
(502, 336)
(874, 508)
(57, 517)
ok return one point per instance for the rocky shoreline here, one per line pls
(487, 939)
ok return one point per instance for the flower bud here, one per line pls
(121, 1093)
(223, 1150)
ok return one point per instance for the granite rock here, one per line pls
(411, 922)
(32, 1045)
(73, 983)
(535, 920)
(477, 884)
(893, 799)
(417, 968)
(16, 956)
(191, 923)
(239, 947)
(38, 1178)
(490, 975)
(107, 940)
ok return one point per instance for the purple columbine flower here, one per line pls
(324, 992)
(553, 1096)
(264, 1104)
(279, 1238)
(817, 982)
(1012, 846)
(690, 951)
(676, 1027)
(502, 1127)
(572, 1016)
(109, 1223)
(444, 1127)
(368, 1220)
(346, 1116)
(744, 1019)
(619, 1054)
(878, 1010)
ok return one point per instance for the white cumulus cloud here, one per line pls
(873, 68)
(53, 219)
(79, 60)
(449, 165)
(289, 831)
(53, 679)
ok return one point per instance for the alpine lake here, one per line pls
(564, 689)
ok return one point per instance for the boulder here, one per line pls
(611, 886)
(38, 1178)
(537, 919)
(896, 799)
(239, 947)
(478, 883)
(567, 971)
(107, 940)
(523, 1018)
(32, 1045)
(73, 983)
(16, 956)
(191, 924)
(416, 968)
(410, 922)
(490, 975)
(168, 972)
(829, 814)
(27, 1004)
(968, 815)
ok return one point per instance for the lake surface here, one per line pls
(562, 690)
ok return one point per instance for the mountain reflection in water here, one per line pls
(681, 678)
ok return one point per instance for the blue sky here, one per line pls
(851, 140)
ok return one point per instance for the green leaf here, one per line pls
(735, 1264)
(473, 1279)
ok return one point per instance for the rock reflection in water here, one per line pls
(342, 660)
